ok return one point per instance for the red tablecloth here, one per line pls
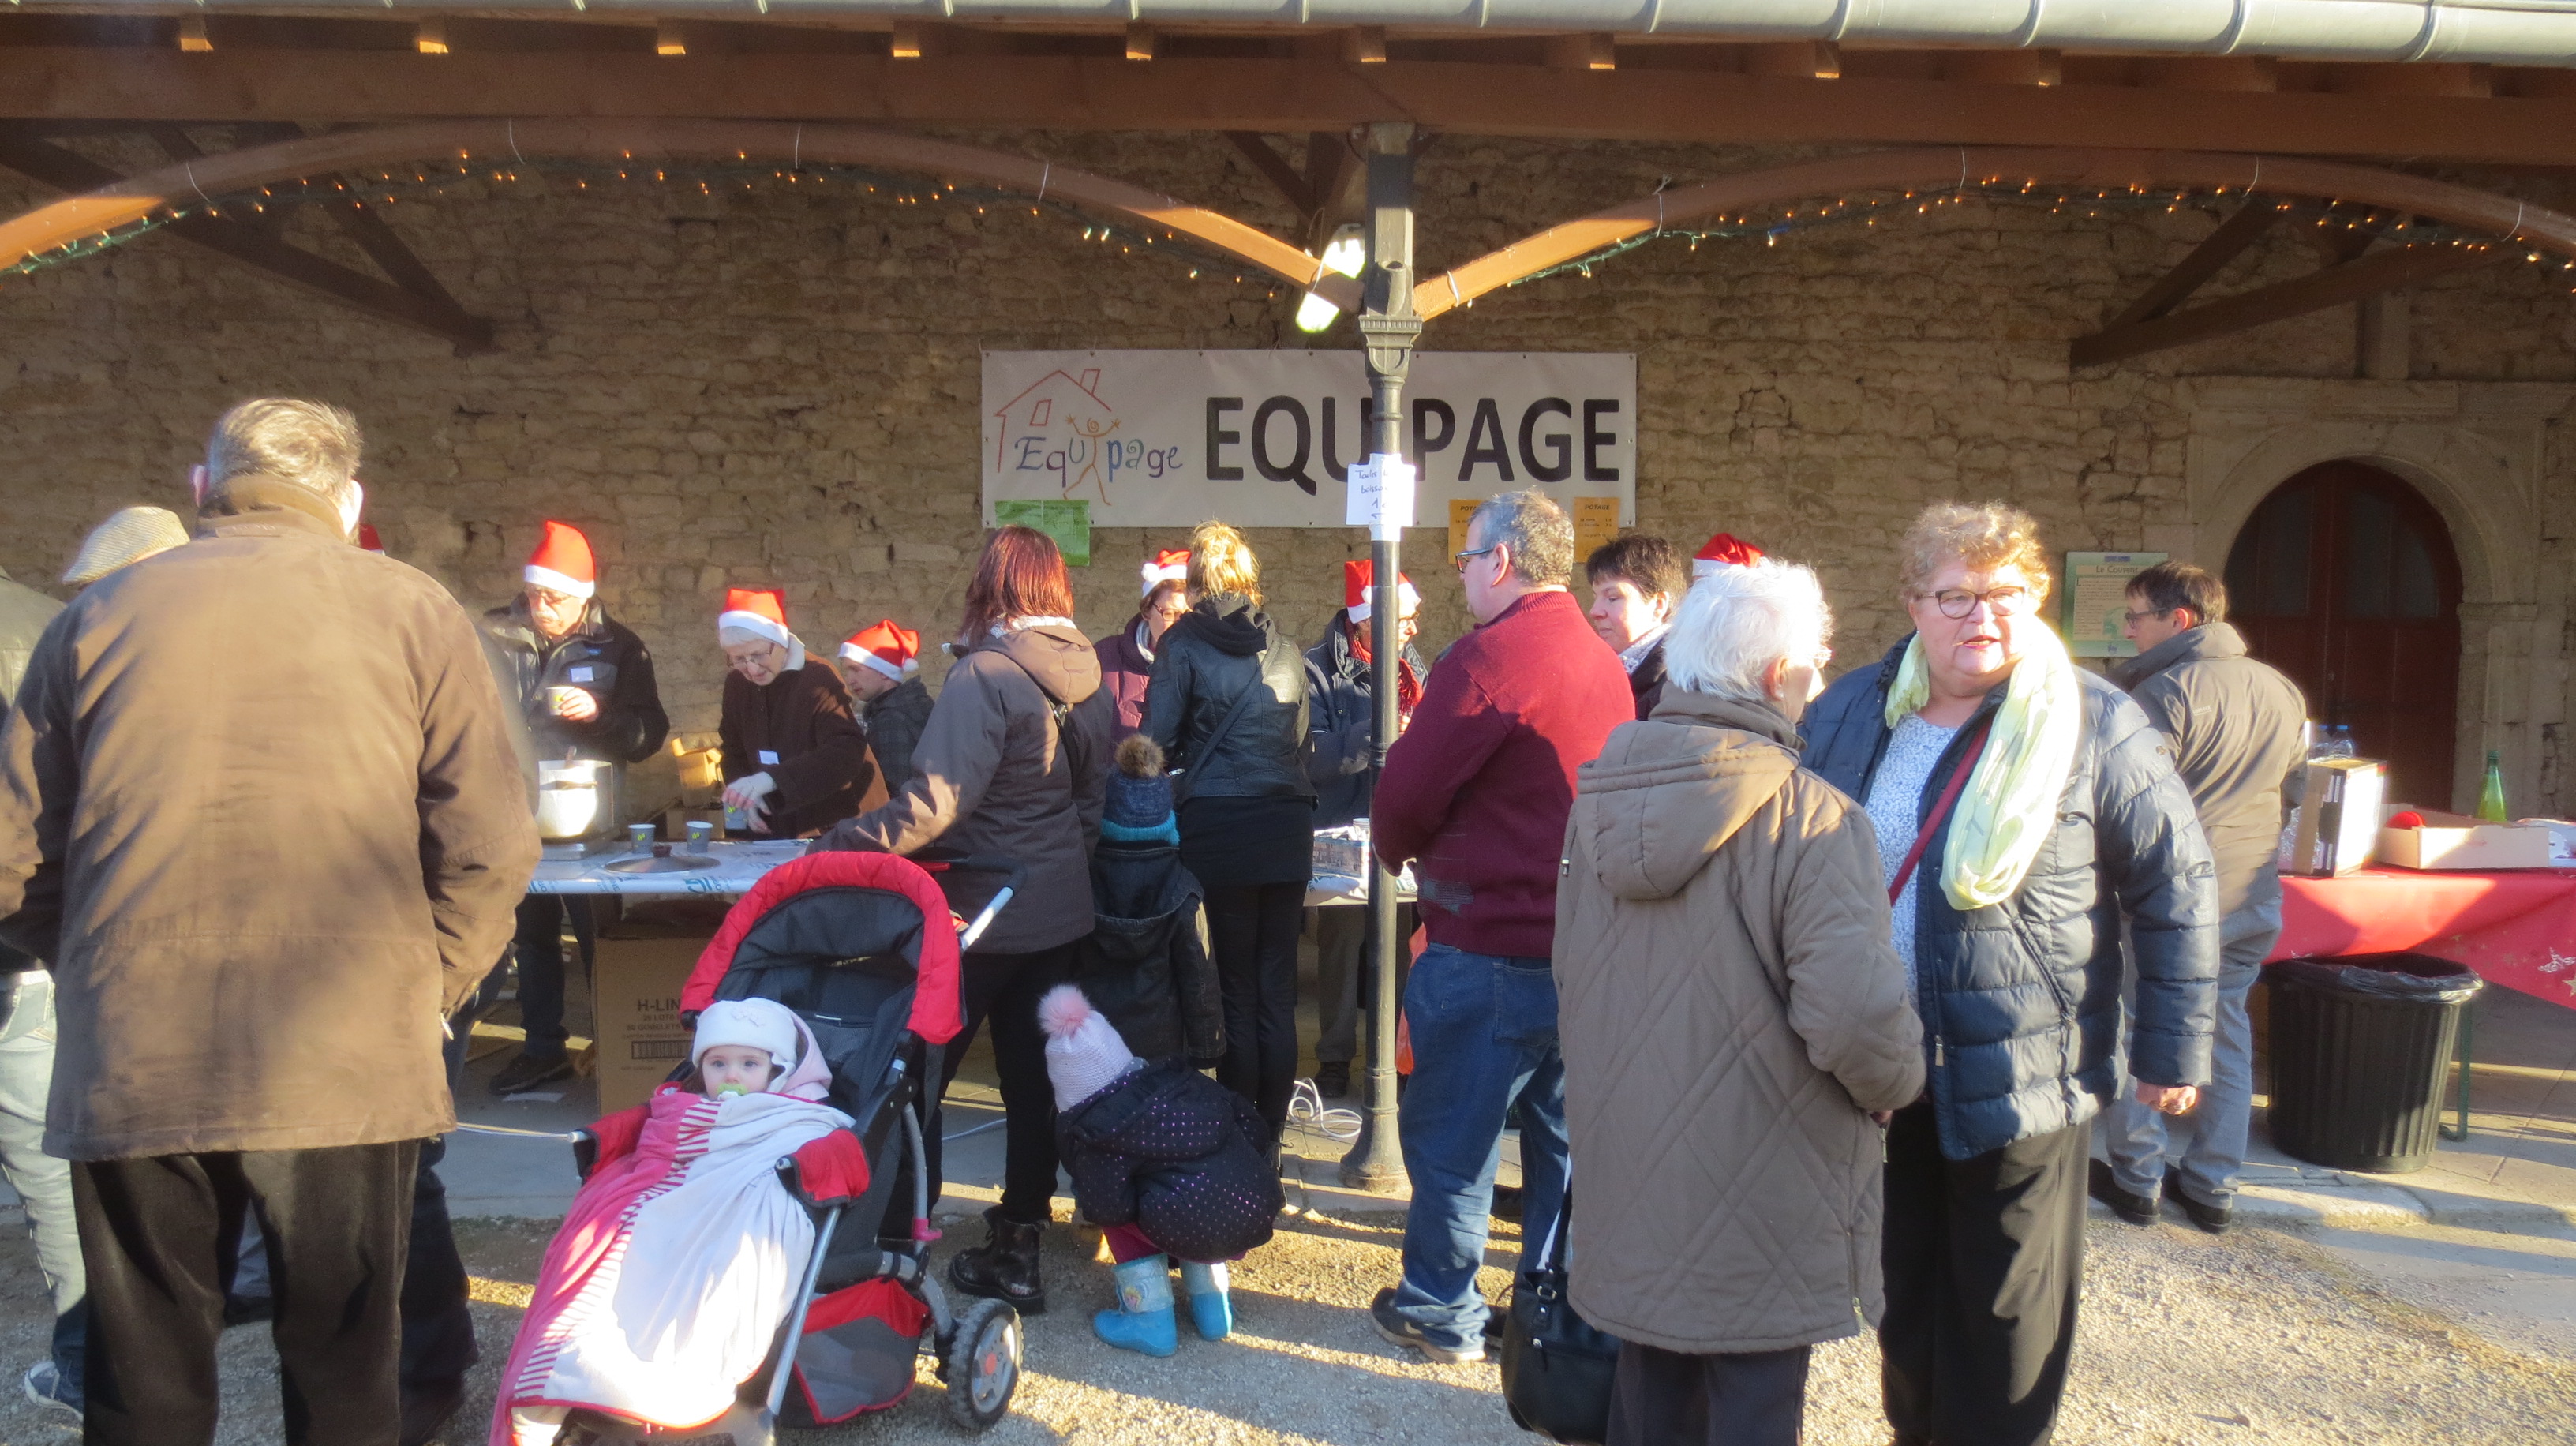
(2517, 929)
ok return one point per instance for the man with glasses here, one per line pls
(1475, 795)
(2235, 727)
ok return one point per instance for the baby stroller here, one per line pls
(859, 945)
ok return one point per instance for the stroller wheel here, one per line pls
(983, 1364)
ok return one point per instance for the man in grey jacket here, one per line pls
(2235, 726)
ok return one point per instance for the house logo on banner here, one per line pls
(1267, 438)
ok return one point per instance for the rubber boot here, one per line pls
(1211, 1307)
(1143, 1320)
(1005, 1266)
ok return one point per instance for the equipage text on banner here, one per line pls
(1268, 438)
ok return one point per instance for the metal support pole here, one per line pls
(1388, 327)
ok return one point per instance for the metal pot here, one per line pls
(576, 800)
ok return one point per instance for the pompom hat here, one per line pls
(759, 611)
(1084, 1052)
(1170, 564)
(1138, 807)
(562, 562)
(1723, 550)
(129, 536)
(893, 651)
(1359, 581)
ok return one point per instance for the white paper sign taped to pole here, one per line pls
(1381, 496)
(1271, 438)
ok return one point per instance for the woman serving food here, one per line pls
(794, 759)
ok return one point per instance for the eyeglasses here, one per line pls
(1460, 558)
(2132, 615)
(1959, 602)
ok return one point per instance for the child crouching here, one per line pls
(1168, 1162)
(664, 1289)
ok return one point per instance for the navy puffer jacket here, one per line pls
(2021, 1000)
(1177, 1155)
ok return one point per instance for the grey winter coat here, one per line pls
(1730, 1012)
(2234, 725)
(2021, 999)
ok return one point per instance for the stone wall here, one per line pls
(777, 386)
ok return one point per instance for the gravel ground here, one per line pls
(2187, 1341)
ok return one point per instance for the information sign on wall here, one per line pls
(1267, 438)
(2096, 594)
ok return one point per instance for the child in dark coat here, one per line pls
(1146, 963)
(1168, 1162)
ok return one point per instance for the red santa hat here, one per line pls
(759, 611)
(562, 562)
(368, 540)
(1723, 550)
(1171, 564)
(1358, 581)
(893, 651)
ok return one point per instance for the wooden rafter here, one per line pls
(1274, 168)
(413, 298)
(1276, 95)
(115, 201)
(2388, 270)
(2242, 228)
(1936, 170)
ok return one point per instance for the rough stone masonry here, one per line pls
(779, 386)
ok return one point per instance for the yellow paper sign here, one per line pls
(1596, 521)
(1460, 509)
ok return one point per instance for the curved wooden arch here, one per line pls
(75, 218)
(1940, 169)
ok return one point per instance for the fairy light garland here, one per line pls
(390, 186)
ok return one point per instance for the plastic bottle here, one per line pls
(2491, 797)
(2334, 740)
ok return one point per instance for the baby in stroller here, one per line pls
(683, 1252)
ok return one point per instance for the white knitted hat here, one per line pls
(1084, 1054)
(758, 1023)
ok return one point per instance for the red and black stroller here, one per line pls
(860, 946)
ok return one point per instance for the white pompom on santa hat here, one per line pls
(1171, 564)
(1725, 549)
(562, 562)
(1359, 581)
(893, 651)
(1084, 1052)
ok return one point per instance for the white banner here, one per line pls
(1267, 438)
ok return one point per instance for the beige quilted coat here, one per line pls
(1730, 1013)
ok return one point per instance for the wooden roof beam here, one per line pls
(2242, 228)
(429, 309)
(2388, 270)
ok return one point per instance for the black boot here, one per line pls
(1004, 1267)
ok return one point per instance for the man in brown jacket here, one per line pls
(1735, 1028)
(258, 808)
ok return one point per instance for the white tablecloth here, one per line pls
(739, 865)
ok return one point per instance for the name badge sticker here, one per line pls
(579, 673)
(768, 758)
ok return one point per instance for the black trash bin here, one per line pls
(2358, 1049)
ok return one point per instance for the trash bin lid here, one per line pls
(2417, 978)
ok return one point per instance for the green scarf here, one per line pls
(2010, 803)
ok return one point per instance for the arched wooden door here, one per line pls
(2344, 579)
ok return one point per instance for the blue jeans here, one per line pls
(1484, 1039)
(43, 1183)
(2212, 1136)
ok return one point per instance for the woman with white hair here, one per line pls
(1735, 1029)
(794, 759)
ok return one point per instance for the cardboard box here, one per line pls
(2454, 841)
(636, 984)
(2336, 825)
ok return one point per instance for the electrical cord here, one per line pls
(1306, 1107)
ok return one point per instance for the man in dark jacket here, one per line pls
(1637, 583)
(1476, 795)
(585, 684)
(1341, 731)
(258, 807)
(2236, 727)
(2018, 987)
(43, 1183)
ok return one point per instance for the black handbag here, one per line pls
(1556, 1366)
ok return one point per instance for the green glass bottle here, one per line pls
(2491, 797)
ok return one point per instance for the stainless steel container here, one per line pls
(576, 800)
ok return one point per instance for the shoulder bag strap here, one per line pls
(1216, 735)
(1941, 810)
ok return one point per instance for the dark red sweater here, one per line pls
(1478, 788)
